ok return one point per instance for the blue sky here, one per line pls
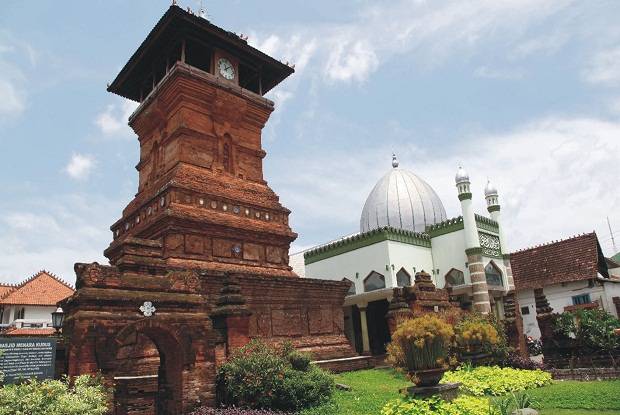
(524, 92)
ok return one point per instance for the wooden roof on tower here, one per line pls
(176, 24)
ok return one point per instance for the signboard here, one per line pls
(27, 357)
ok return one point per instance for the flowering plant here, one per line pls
(421, 343)
(473, 335)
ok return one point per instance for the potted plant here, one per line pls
(422, 346)
(475, 339)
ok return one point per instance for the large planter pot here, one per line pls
(428, 377)
(475, 358)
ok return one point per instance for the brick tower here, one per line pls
(199, 258)
(201, 188)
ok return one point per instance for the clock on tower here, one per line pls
(201, 188)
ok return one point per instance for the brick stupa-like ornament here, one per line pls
(199, 258)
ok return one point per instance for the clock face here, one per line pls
(226, 69)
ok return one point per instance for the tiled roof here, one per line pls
(48, 331)
(573, 259)
(5, 289)
(42, 288)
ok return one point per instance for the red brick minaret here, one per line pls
(201, 189)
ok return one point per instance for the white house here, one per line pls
(571, 274)
(26, 308)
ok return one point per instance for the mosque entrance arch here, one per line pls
(148, 370)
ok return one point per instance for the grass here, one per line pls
(579, 395)
(371, 389)
(555, 411)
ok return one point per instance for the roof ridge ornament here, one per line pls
(394, 161)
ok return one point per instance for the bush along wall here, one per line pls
(262, 376)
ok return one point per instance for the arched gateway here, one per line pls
(199, 258)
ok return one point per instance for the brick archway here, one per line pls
(162, 394)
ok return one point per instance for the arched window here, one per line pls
(493, 274)
(374, 281)
(351, 288)
(454, 278)
(403, 279)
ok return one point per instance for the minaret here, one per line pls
(473, 250)
(492, 197)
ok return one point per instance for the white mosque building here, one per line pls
(404, 230)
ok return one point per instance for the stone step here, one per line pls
(347, 364)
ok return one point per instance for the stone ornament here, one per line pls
(147, 309)
(490, 244)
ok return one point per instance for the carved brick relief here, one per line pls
(252, 252)
(174, 243)
(194, 244)
(286, 322)
(222, 248)
(274, 255)
(320, 320)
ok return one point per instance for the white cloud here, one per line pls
(113, 120)
(554, 176)
(12, 93)
(53, 233)
(351, 61)
(80, 166)
(604, 67)
(545, 44)
(13, 101)
(431, 32)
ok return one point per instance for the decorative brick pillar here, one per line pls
(480, 290)
(513, 323)
(80, 351)
(398, 311)
(544, 317)
(231, 317)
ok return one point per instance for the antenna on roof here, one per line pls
(613, 240)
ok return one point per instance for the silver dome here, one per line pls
(490, 189)
(401, 199)
(461, 176)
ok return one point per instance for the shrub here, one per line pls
(463, 405)
(516, 361)
(266, 377)
(493, 380)
(591, 329)
(421, 343)
(86, 396)
(480, 333)
(474, 336)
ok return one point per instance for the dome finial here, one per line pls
(394, 161)
(490, 189)
(461, 175)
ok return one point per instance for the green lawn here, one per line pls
(579, 395)
(555, 411)
(371, 389)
